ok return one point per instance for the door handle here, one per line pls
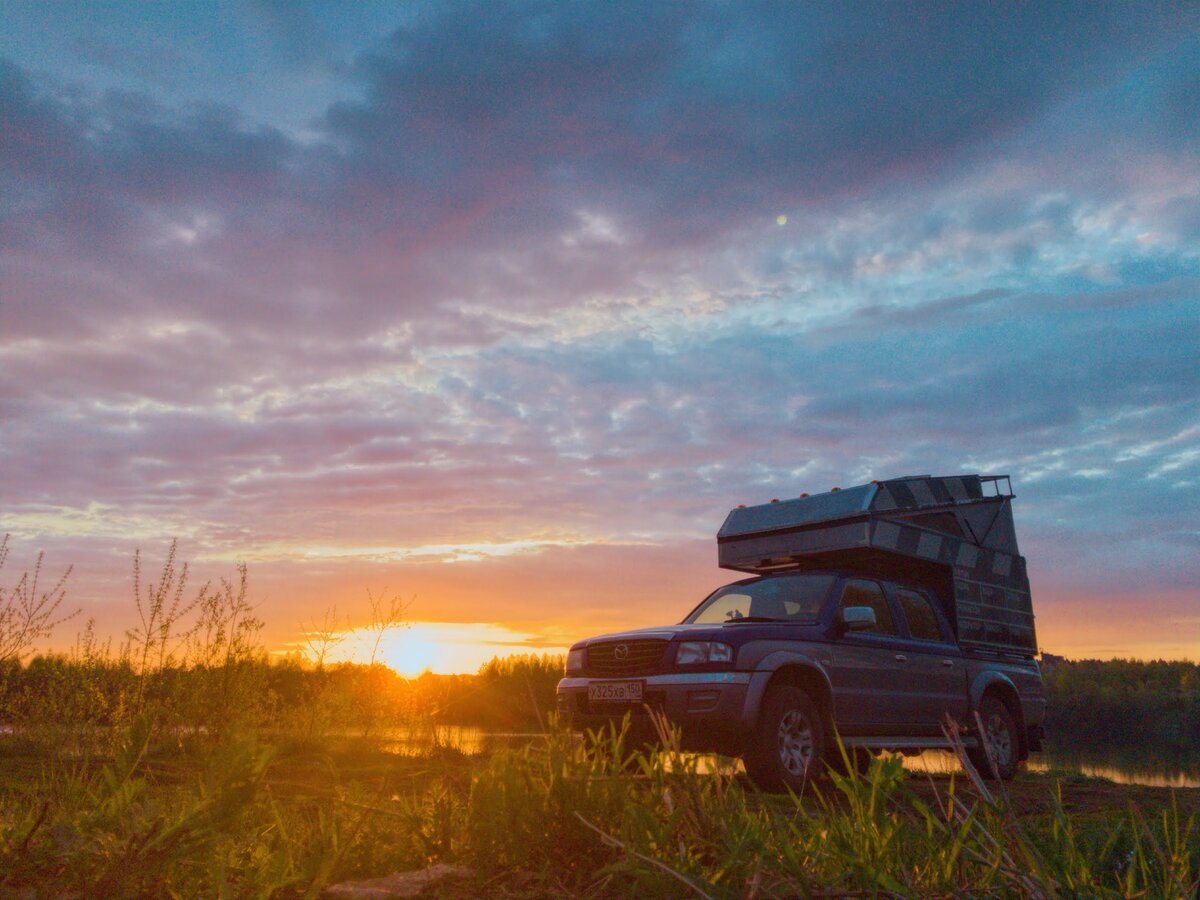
(900, 657)
(948, 663)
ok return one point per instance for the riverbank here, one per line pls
(241, 815)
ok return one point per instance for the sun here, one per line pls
(443, 648)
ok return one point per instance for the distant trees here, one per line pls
(1123, 704)
(195, 661)
(1144, 707)
(514, 692)
(80, 690)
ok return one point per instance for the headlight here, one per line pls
(575, 660)
(694, 653)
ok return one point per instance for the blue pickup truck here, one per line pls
(875, 612)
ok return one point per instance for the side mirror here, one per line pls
(858, 618)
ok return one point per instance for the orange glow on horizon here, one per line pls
(443, 648)
(453, 648)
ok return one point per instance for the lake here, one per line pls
(1116, 767)
(1121, 767)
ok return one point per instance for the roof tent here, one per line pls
(955, 532)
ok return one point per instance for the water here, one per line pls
(1117, 768)
(1119, 771)
(469, 739)
(1120, 768)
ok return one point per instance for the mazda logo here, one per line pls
(621, 651)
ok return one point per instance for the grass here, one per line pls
(186, 765)
(244, 817)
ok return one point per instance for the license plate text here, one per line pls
(615, 692)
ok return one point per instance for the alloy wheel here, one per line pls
(795, 742)
(999, 739)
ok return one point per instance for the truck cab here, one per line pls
(863, 617)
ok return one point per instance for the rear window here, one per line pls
(918, 612)
(785, 598)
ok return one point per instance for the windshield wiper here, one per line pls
(753, 619)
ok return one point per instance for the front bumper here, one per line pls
(710, 707)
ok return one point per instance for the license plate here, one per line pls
(615, 692)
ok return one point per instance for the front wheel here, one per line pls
(1000, 734)
(788, 745)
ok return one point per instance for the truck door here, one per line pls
(871, 685)
(934, 660)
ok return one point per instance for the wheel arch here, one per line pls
(807, 675)
(994, 684)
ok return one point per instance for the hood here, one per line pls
(664, 632)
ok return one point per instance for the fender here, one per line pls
(987, 679)
(766, 668)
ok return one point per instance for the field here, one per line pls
(186, 763)
(243, 816)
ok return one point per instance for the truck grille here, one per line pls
(618, 658)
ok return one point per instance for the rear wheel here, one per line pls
(788, 746)
(1000, 734)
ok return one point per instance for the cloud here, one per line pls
(522, 285)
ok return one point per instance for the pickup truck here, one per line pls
(873, 613)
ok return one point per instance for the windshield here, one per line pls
(786, 598)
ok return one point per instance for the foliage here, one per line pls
(515, 691)
(1125, 703)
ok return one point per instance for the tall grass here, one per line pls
(564, 816)
(28, 610)
(184, 764)
(648, 823)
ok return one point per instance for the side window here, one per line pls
(868, 593)
(795, 598)
(922, 620)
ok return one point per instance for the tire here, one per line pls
(1000, 731)
(787, 748)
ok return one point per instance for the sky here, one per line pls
(501, 307)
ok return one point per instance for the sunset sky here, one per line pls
(502, 306)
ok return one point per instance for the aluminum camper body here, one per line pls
(954, 533)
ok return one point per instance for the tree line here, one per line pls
(1123, 704)
(1092, 704)
(195, 661)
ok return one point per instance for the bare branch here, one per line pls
(27, 613)
(321, 637)
(387, 613)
